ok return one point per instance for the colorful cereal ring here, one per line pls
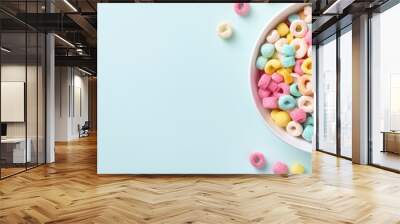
(305, 86)
(294, 129)
(297, 67)
(308, 133)
(296, 168)
(307, 66)
(306, 103)
(286, 74)
(282, 29)
(294, 91)
(298, 28)
(257, 159)
(272, 65)
(280, 118)
(301, 47)
(283, 89)
(224, 30)
(280, 168)
(309, 121)
(242, 9)
(287, 102)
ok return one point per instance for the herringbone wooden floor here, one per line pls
(69, 191)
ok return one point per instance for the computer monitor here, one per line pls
(3, 130)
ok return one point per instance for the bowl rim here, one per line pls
(254, 73)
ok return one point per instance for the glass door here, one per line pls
(345, 60)
(327, 96)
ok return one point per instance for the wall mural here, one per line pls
(226, 90)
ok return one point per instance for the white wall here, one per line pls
(70, 84)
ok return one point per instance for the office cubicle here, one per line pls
(22, 90)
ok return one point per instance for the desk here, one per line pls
(17, 150)
(391, 141)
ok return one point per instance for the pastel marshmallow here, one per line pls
(273, 36)
(270, 102)
(264, 81)
(298, 115)
(267, 50)
(262, 93)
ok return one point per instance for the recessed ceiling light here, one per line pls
(5, 50)
(64, 40)
(70, 5)
(84, 71)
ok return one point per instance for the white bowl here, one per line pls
(297, 142)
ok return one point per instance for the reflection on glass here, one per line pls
(346, 94)
(327, 96)
(385, 89)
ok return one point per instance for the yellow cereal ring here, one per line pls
(289, 37)
(283, 29)
(272, 65)
(296, 168)
(307, 66)
(286, 73)
(280, 118)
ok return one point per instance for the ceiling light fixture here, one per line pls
(64, 40)
(70, 5)
(84, 71)
(5, 50)
(338, 6)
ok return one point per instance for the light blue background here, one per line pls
(173, 98)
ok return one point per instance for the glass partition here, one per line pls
(22, 101)
(346, 93)
(385, 89)
(14, 153)
(327, 96)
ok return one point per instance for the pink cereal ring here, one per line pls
(257, 159)
(277, 78)
(280, 168)
(242, 9)
(270, 102)
(297, 67)
(309, 51)
(298, 28)
(264, 81)
(283, 89)
(301, 47)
